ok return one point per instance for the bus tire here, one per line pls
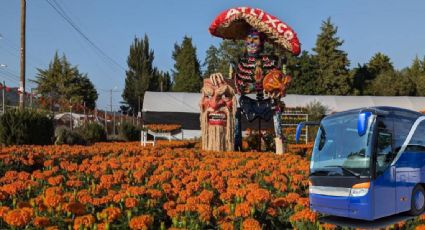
(417, 202)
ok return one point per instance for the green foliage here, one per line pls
(25, 127)
(187, 72)
(64, 135)
(393, 83)
(303, 72)
(416, 72)
(361, 79)
(141, 75)
(165, 83)
(63, 82)
(212, 61)
(129, 132)
(333, 77)
(92, 133)
(316, 110)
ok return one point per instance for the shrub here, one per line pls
(64, 135)
(93, 132)
(18, 127)
(316, 111)
(129, 132)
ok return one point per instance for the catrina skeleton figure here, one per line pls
(256, 73)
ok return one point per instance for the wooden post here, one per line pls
(22, 64)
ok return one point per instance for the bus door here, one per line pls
(385, 175)
(411, 161)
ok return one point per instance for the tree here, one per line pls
(186, 73)
(393, 83)
(378, 64)
(230, 51)
(303, 72)
(165, 83)
(416, 72)
(212, 61)
(361, 79)
(63, 82)
(332, 75)
(140, 74)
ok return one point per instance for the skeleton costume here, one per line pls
(255, 72)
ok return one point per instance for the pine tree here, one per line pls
(377, 65)
(186, 73)
(212, 61)
(332, 75)
(165, 83)
(139, 74)
(63, 82)
(416, 72)
(230, 51)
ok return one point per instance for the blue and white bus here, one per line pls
(369, 163)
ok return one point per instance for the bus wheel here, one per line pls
(417, 205)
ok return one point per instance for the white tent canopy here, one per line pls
(189, 102)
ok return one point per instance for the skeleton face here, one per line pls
(254, 43)
(217, 103)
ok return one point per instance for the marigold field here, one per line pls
(173, 185)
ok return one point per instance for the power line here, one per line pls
(11, 45)
(56, 6)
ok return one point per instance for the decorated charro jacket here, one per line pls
(250, 72)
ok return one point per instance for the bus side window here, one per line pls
(417, 143)
(384, 149)
(384, 153)
(402, 127)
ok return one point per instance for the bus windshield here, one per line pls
(339, 150)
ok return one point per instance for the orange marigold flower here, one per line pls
(206, 196)
(420, 227)
(291, 198)
(327, 226)
(57, 180)
(84, 221)
(111, 214)
(52, 201)
(251, 224)
(258, 196)
(142, 222)
(19, 217)
(271, 211)
(304, 215)
(3, 211)
(41, 222)
(243, 210)
(227, 226)
(131, 202)
(204, 212)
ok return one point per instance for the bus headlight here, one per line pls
(360, 189)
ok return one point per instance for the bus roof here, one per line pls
(392, 111)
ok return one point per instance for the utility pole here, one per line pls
(22, 79)
(4, 95)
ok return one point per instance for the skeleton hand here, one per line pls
(273, 94)
(216, 78)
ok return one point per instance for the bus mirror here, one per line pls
(298, 132)
(301, 126)
(362, 122)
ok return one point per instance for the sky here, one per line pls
(395, 28)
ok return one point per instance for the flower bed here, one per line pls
(169, 186)
(163, 128)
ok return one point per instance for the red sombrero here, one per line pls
(235, 23)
